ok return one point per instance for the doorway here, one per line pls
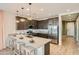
(68, 27)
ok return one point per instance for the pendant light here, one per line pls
(22, 19)
(17, 21)
(30, 17)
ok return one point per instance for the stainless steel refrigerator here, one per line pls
(53, 31)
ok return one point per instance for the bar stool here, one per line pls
(11, 43)
(17, 49)
(27, 50)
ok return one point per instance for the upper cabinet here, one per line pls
(43, 24)
(24, 23)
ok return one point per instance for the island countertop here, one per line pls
(38, 41)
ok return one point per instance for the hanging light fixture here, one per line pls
(22, 19)
(17, 21)
(30, 17)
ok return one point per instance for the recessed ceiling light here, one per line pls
(27, 9)
(41, 9)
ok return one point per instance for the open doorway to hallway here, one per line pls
(69, 26)
(69, 29)
(70, 32)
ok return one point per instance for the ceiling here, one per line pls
(70, 17)
(40, 11)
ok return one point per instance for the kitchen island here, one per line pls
(41, 45)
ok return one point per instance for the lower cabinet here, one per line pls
(47, 49)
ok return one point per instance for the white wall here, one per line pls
(9, 25)
(71, 29)
(1, 29)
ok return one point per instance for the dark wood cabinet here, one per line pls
(25, 25)
(47, 49)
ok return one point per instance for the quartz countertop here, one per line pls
(38, 41)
